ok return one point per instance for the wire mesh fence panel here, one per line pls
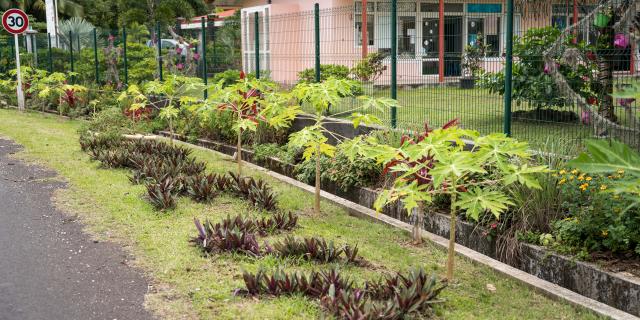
(573, 61)
(450, 61)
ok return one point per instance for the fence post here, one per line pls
(508, 70)
(95, 54)
(257, 44)
(1, 66)
(316, 19)
(204, 57)
(71, 57)
(50, 53)
(394, 61)
(159, 45)
(124, 52)
(32, 39)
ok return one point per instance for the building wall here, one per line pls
(291, 39)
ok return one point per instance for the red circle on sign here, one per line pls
(15, 21)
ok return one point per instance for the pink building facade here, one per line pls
(286, 34)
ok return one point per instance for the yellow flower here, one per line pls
(571, 178)
(574, 171)
(605, 233)
(562, 172)
(610, 177)
(620, 171)
(562, 181)
(588, 178)
(580, 178)
(603, 187)
(584, 186)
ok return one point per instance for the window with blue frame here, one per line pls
(485, 26)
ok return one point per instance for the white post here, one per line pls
(52, 21)
(18, 74)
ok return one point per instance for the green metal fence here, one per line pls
(424, 49)
(425, 43)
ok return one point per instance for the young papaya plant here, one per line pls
(251, 101)
(170, 95)
(55, 85)
(470, 169)
(314, 138)
(132, 100)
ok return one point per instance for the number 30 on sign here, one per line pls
(15, 21)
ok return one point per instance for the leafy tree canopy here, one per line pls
(165, 11)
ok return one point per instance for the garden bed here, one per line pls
(619, 290)
(189, 284)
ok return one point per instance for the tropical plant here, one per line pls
(410, 295)
(162, 194)
(164, 11)
(216, 238)
(37, 7)
(313, 138)
(370, 68)
(327, 71)
(604, 157)
(472, 177)
(532, 81)
(171, 95)
(250, 101)
(472, 57)
(68, 96)
(202, 188)
(315, 248)
(78, 30)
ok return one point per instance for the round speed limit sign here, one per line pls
(15, 21)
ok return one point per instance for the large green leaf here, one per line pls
(478, 200)
(604, 156)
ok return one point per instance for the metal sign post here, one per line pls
(16, 22)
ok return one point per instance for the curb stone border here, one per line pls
(547, 288)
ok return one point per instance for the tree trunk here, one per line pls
(418, 222)
(316, 207)
(605, 58)
(239, 153)
(452, 235)
(171, 131)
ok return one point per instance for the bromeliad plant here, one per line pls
(313, 138)
(468, 168)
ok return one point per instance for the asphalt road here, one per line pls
(49, 268)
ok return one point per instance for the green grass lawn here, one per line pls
(190, 285)
(476, 108)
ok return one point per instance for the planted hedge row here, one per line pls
(169, 171)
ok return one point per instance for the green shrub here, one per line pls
(284, 153)
(326, 71)
(228, 77)
(345, 173)
(531, 83)
(141, 63)
(596, 220)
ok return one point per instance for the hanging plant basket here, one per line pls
(601, 20)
